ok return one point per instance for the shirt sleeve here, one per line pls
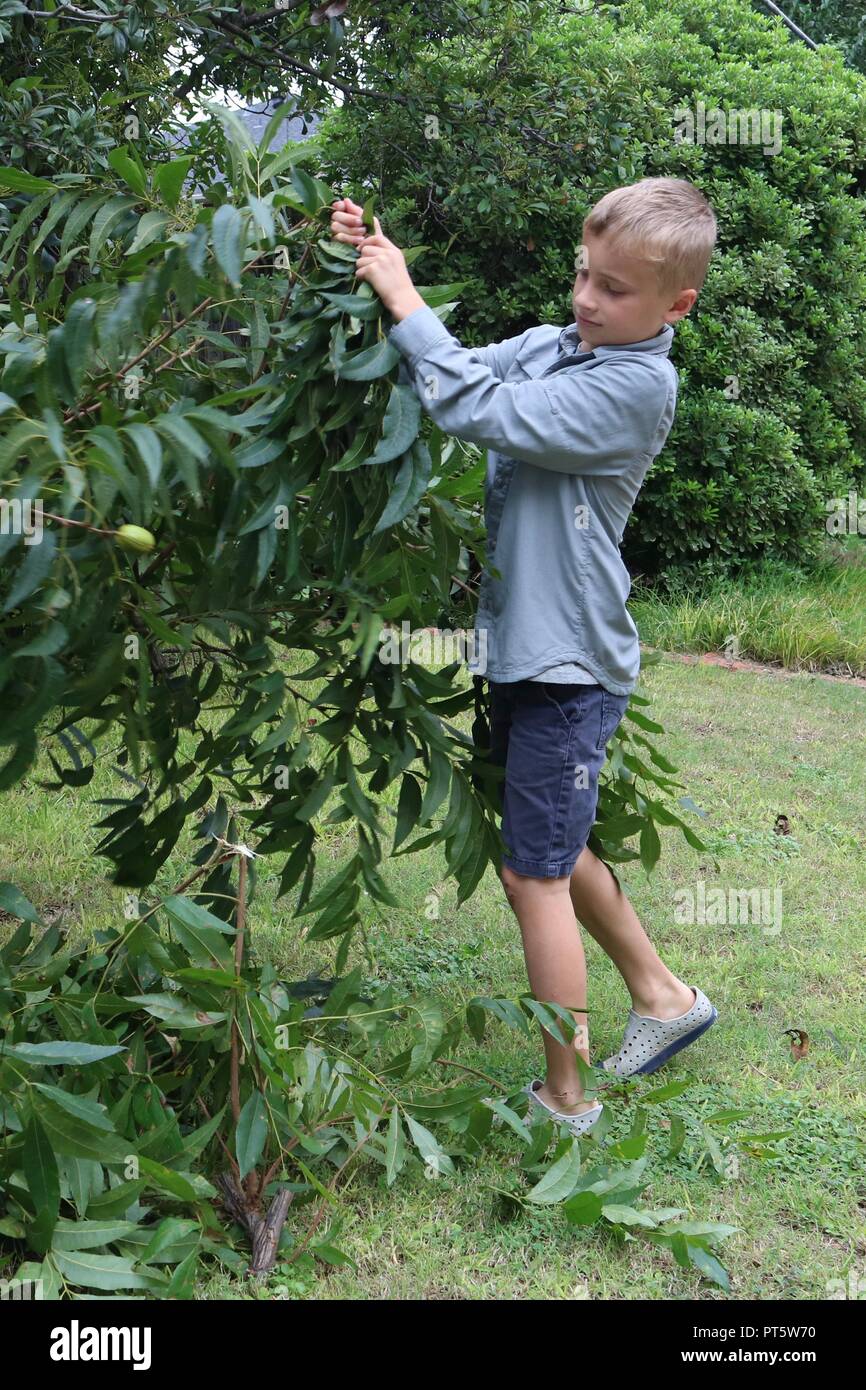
(593, 421)
(497, 356)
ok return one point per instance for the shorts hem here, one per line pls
(541, 868)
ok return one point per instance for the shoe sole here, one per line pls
(580, 1131)
(667, 1052)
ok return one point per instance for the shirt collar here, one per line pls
(569, 338)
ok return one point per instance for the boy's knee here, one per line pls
(518, 885)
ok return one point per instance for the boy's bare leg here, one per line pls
(556, 968)
(600, 904)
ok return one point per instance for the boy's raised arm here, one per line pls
(594, 421)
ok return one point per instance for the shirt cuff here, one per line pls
(417, 332)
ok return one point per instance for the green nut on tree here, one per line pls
(135, 538)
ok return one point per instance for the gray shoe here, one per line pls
(578, 1124)
(649, 1042)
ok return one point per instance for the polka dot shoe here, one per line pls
(649, 1042)
(578, 1124)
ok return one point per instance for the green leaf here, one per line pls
(179, 429)
(408, 808)
(367, 364)
(128, 170)
(89, 1271)
(583, 1209)
(172, 1009)
(78, 218)
(395, 1150)
(79, 1127)
(428, 1029)
(21, 182)
(168, 1233)
(560, 1180)
(285, 110)
(650, 846)
(81, 1108)
(359, 306)
(252, 1131)
(90, 1235)
(399, 427)
(150, 228)
(627, 1216)
(436, 295)
(104, 223)
(437, 787)
(34, 570)
(667, 1092)
(708, 1265)
(15, 903)
(43, 1183)
(409, 486)
(168, 179)
(116, 1201)
(428, 1147)
(168, 1179)
(60, 1054)
(149, 447)
(199, 932)
(77, 337)
(263, 218)
(227, 235)
(307, 190)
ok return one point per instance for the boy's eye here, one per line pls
(584, 271)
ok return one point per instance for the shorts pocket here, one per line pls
(613, 708)
(567, 699)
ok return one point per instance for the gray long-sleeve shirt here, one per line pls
(570, 436)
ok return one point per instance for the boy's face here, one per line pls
(616, 298)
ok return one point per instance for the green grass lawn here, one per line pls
(749, 746)
(812, 621)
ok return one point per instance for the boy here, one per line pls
(572, 419)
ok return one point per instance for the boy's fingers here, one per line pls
(347, 208)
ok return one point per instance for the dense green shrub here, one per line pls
(833, 21)
(771, 420)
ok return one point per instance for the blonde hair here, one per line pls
(666, 221)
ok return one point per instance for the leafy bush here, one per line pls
(165, 1102)
(833, 21)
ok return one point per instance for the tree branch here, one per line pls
(229, 27)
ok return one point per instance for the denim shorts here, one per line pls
(551, 740)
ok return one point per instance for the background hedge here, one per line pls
(533, 130)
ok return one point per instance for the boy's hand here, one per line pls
(383, 265)
(347, 221)
(380, 263)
